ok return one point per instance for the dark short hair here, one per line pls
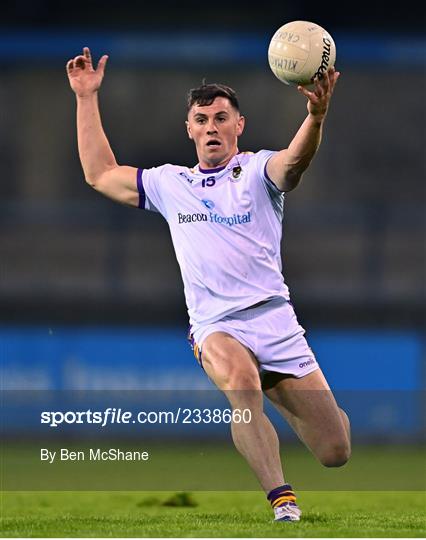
(206, 93)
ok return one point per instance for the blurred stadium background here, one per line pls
(90, 292)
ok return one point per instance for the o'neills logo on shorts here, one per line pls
(307, 363)
(325, 59)
(212, 217)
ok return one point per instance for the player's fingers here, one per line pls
(333, 79)
(318, 87)
(70, 65)
(325, 82)
(305, 92)
(102, 63)
(330, 76)
(87, 54)
(80, 61)
(327, 78)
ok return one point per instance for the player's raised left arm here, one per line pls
(286, 167)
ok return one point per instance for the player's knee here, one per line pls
(238, 379)
(336, 454)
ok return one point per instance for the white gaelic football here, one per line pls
(299, 51)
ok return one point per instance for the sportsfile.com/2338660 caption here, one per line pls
(113, 415)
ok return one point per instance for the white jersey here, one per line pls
(226, 226)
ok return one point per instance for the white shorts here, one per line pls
(271, 331)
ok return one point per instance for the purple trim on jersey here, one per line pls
(265, 172)
(208, 171)
(141, 190)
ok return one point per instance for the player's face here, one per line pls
(215, 130)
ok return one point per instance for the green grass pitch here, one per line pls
(214, 514)
(379, 493)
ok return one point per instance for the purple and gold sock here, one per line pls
(281, 495)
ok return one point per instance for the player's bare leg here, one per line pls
(233, 368)
(310, 408)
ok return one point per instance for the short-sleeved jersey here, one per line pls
(226, 226)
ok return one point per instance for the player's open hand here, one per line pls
(84, 79)
(319, 97)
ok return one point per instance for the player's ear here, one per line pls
(240, 125)
(188, 129)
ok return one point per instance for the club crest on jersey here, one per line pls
(190, 180)
(208, 203)
(237, 173)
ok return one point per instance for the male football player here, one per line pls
(225, 218)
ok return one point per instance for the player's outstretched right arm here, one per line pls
(97, 159)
